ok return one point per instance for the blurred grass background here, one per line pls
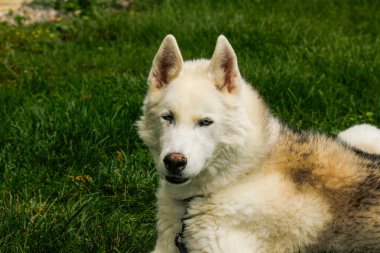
(74, 177)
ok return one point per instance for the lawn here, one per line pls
(74, 177)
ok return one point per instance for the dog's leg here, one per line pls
(264, 213)
(170, 212)
(207, 234)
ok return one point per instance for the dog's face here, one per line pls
(189, 108)
(190, 123)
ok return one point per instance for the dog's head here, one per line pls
(192, 113)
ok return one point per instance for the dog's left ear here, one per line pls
(224, 66)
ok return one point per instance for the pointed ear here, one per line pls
(166, 64)
(224, 66)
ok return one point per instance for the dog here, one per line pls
(233, 178)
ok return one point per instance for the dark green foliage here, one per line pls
(71, 91)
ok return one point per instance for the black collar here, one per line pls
(178, 241)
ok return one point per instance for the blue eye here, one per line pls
(168, 117)
(205, 122)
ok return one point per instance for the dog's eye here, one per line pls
(168, 117)
(205, 122)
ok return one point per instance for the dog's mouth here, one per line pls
(176, 180)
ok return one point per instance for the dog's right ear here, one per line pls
(166, 64)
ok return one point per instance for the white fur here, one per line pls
(242, 133)
(364, 136)
(245, 208)
(238, 129)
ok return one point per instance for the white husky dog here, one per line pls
(233, 179)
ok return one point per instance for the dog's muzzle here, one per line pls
(175, 163)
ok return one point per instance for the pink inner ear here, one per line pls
(166, 67)
(165, 64)
(227, 64)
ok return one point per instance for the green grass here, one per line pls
(71, 91)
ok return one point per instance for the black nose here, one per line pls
(175, 162)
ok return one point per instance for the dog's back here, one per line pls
(345, 178)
